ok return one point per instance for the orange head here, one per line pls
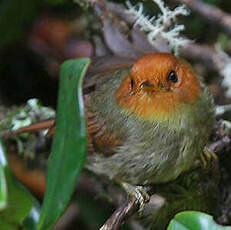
(157, 86)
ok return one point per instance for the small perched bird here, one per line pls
(147, 122)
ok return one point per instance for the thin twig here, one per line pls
(118, 217)
(209, 12)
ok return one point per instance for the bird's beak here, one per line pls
(154, 87)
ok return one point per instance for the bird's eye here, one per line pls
(172, 77)
(146, 83)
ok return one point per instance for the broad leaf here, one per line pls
(69, 143)
(192, 220)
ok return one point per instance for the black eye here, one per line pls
(146, 83)
(172, 77)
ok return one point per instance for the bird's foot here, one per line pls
(207, 156)
(138, 192)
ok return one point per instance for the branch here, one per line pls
(118, 217)
(223, 138)
(209, 12)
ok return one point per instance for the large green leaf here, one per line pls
(69, 143)
(192, 220)
(18, 202)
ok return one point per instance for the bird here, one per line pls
(147, 120)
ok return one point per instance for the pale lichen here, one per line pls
(163, 25)
(30, 113)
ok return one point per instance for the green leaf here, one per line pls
(69, 143)
(18, 202)
(192, 220)
(15, 17)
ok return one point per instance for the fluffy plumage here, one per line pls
(147, 135)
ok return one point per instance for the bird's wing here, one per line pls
(99, 138)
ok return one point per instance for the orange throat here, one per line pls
(154, 106)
